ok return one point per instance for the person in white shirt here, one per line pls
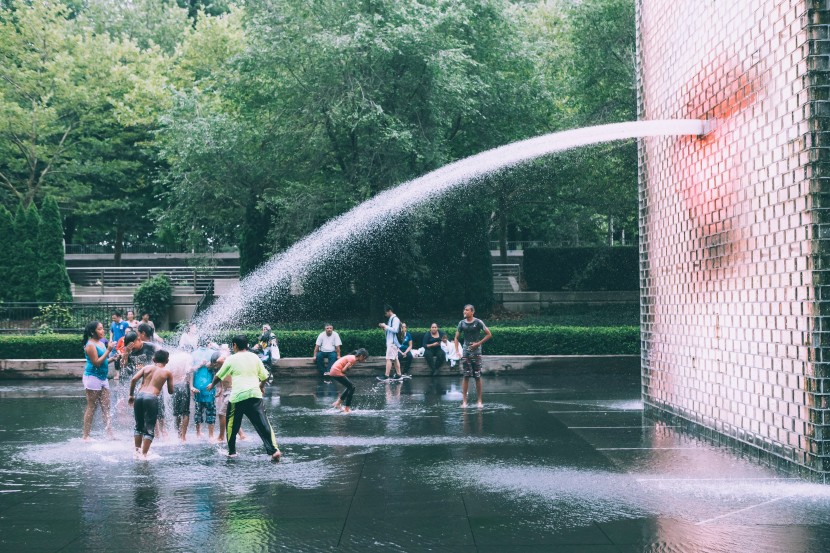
(449, 350)
(326, 349)
(189, 340)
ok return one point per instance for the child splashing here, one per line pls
(145, 405)
(338, 373)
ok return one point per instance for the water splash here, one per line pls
(293, 264)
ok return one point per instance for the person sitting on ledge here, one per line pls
(326, 349)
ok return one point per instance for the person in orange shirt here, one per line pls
(338, 374)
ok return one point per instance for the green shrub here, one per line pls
(42, 346)
(586, 268)
(53, 316)
(154, 296)
(533, 340)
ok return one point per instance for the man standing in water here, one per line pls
(392, 326)
(249, 376)
(471, 353)
(146, 404)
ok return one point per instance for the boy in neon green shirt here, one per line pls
(249, 376)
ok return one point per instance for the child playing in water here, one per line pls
(145, 404)
(223, 396)
(180, 366)
(338, 373)
(205, 406)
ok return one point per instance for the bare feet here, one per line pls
(463, 404)
(347, 409)
(479, 405)
(275, 458)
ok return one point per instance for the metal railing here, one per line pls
(205, 301)
(519, 245)
(199, 279)
(74, 249)
(27, 317)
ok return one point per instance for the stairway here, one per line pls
(506, 277)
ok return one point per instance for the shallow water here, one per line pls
(549, 461)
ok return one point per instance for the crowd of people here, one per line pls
(228, 382)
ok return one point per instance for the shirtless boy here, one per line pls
(145, 404)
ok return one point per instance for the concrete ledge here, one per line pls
(304, 367)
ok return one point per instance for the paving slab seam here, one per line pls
(613, 427)
(351, 501)
(744, 509)
(646, 448)
(66, 547)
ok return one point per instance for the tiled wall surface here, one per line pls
(734, 226)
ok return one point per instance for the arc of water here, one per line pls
(368, 216)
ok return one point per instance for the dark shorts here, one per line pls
(471, 363)
(146, 409)
(205, 412)
(181, 400)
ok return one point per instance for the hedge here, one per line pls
(587, 268)
(528, 340)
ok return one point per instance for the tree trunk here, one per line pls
(502, 229)
(610, 230)
(119, 240)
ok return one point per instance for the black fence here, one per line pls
(30, 318)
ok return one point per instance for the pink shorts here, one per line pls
(392, 352)
(222, 403)
(94, 383)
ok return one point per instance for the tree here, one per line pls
(78, 108)
(589, 195)
(328, 104)
(24, 268)
(154, 296)
(147, 23)
(52, 280)
(7, 245)
(602, 88)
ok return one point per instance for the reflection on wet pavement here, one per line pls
(550, 462)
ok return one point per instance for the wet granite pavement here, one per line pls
(561, 462)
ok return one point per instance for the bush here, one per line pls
(52, 317)
(42, 346)
(154, 296)
(533, 340)
(588, 268)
